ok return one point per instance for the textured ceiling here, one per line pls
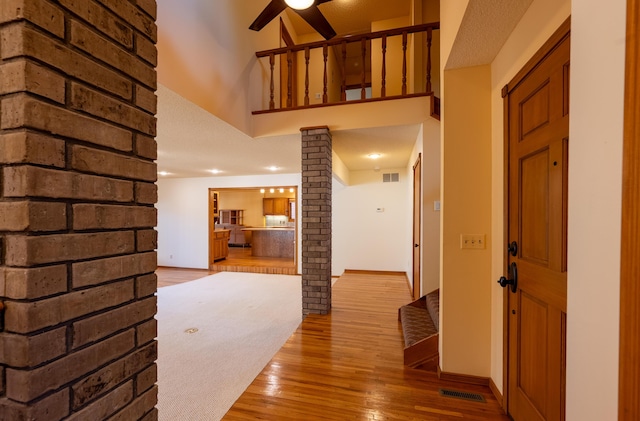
(485, 27)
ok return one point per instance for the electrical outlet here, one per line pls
(472, 241)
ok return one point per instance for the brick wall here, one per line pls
(316, 220)
(77, 261)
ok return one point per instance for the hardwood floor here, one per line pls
(168, 276)
(241, 260)
(348, 366)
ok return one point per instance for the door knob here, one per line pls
(512, 280)
(416, 245)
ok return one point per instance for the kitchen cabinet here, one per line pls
(219, 248)
(231, 216)
(275, 206)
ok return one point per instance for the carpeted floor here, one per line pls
(238, 322)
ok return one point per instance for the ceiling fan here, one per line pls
(307, 9)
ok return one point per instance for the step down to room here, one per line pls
(420, 325)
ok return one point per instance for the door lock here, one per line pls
(512, 280)
(513, 248)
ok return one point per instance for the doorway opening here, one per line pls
(253, 229)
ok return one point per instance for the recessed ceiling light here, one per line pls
(291, 190)
(271, 190)
(281, 190)
(262, 191)
(215, 171)
(374, 155)
(272, 168)
(163, 173)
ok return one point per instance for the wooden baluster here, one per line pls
(272, 61)
(383, 91)
(289, 78)
(429, 39)
(363, 83)
(325, 55)
(404, 63)
(343, 88)
(306, 78)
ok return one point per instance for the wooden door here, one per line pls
(417, 206)
(537, 109)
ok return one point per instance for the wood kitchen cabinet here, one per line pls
(219, 247)
(275, 206)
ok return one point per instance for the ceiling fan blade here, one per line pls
(316, 19)
(322, 1)
(272, 10)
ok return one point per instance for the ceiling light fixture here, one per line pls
(271, 190)
(273, 168)
(281, 190)
(374, 155)
(214, 171)
(163, 173)
(262, 191)
(291, 190)
(299, 4)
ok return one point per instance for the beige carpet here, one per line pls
(238, 322)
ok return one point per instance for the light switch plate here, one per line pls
(472, 241)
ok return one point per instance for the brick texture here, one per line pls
(77, 214)
(316, 220)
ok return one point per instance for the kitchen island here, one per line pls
(272, 241)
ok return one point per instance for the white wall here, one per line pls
(595, 179)
(183, 227)
(364, 239)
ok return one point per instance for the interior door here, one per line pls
(417, 206)
(538, 128)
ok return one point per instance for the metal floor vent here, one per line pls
(476, 397)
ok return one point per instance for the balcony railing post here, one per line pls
(383, 89)
(404, 63)
(325, 54)
(363, 83)
(343, 88)
(306, 77)
(272, 61)
(429, 40)
(289, 79)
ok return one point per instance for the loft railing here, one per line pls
(317, 63)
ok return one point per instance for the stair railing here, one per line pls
(340, 50)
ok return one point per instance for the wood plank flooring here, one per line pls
(168, 276)
(348, 366)
(241, 260)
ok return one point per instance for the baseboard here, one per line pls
(463, 378)
(374, 272)
(496, 393)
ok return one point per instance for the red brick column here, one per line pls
(77, 151)
(316, 220)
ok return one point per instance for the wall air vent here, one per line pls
(393, 177)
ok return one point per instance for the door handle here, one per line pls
(512, 280)
(416, 245)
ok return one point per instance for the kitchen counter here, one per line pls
(272, 241)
